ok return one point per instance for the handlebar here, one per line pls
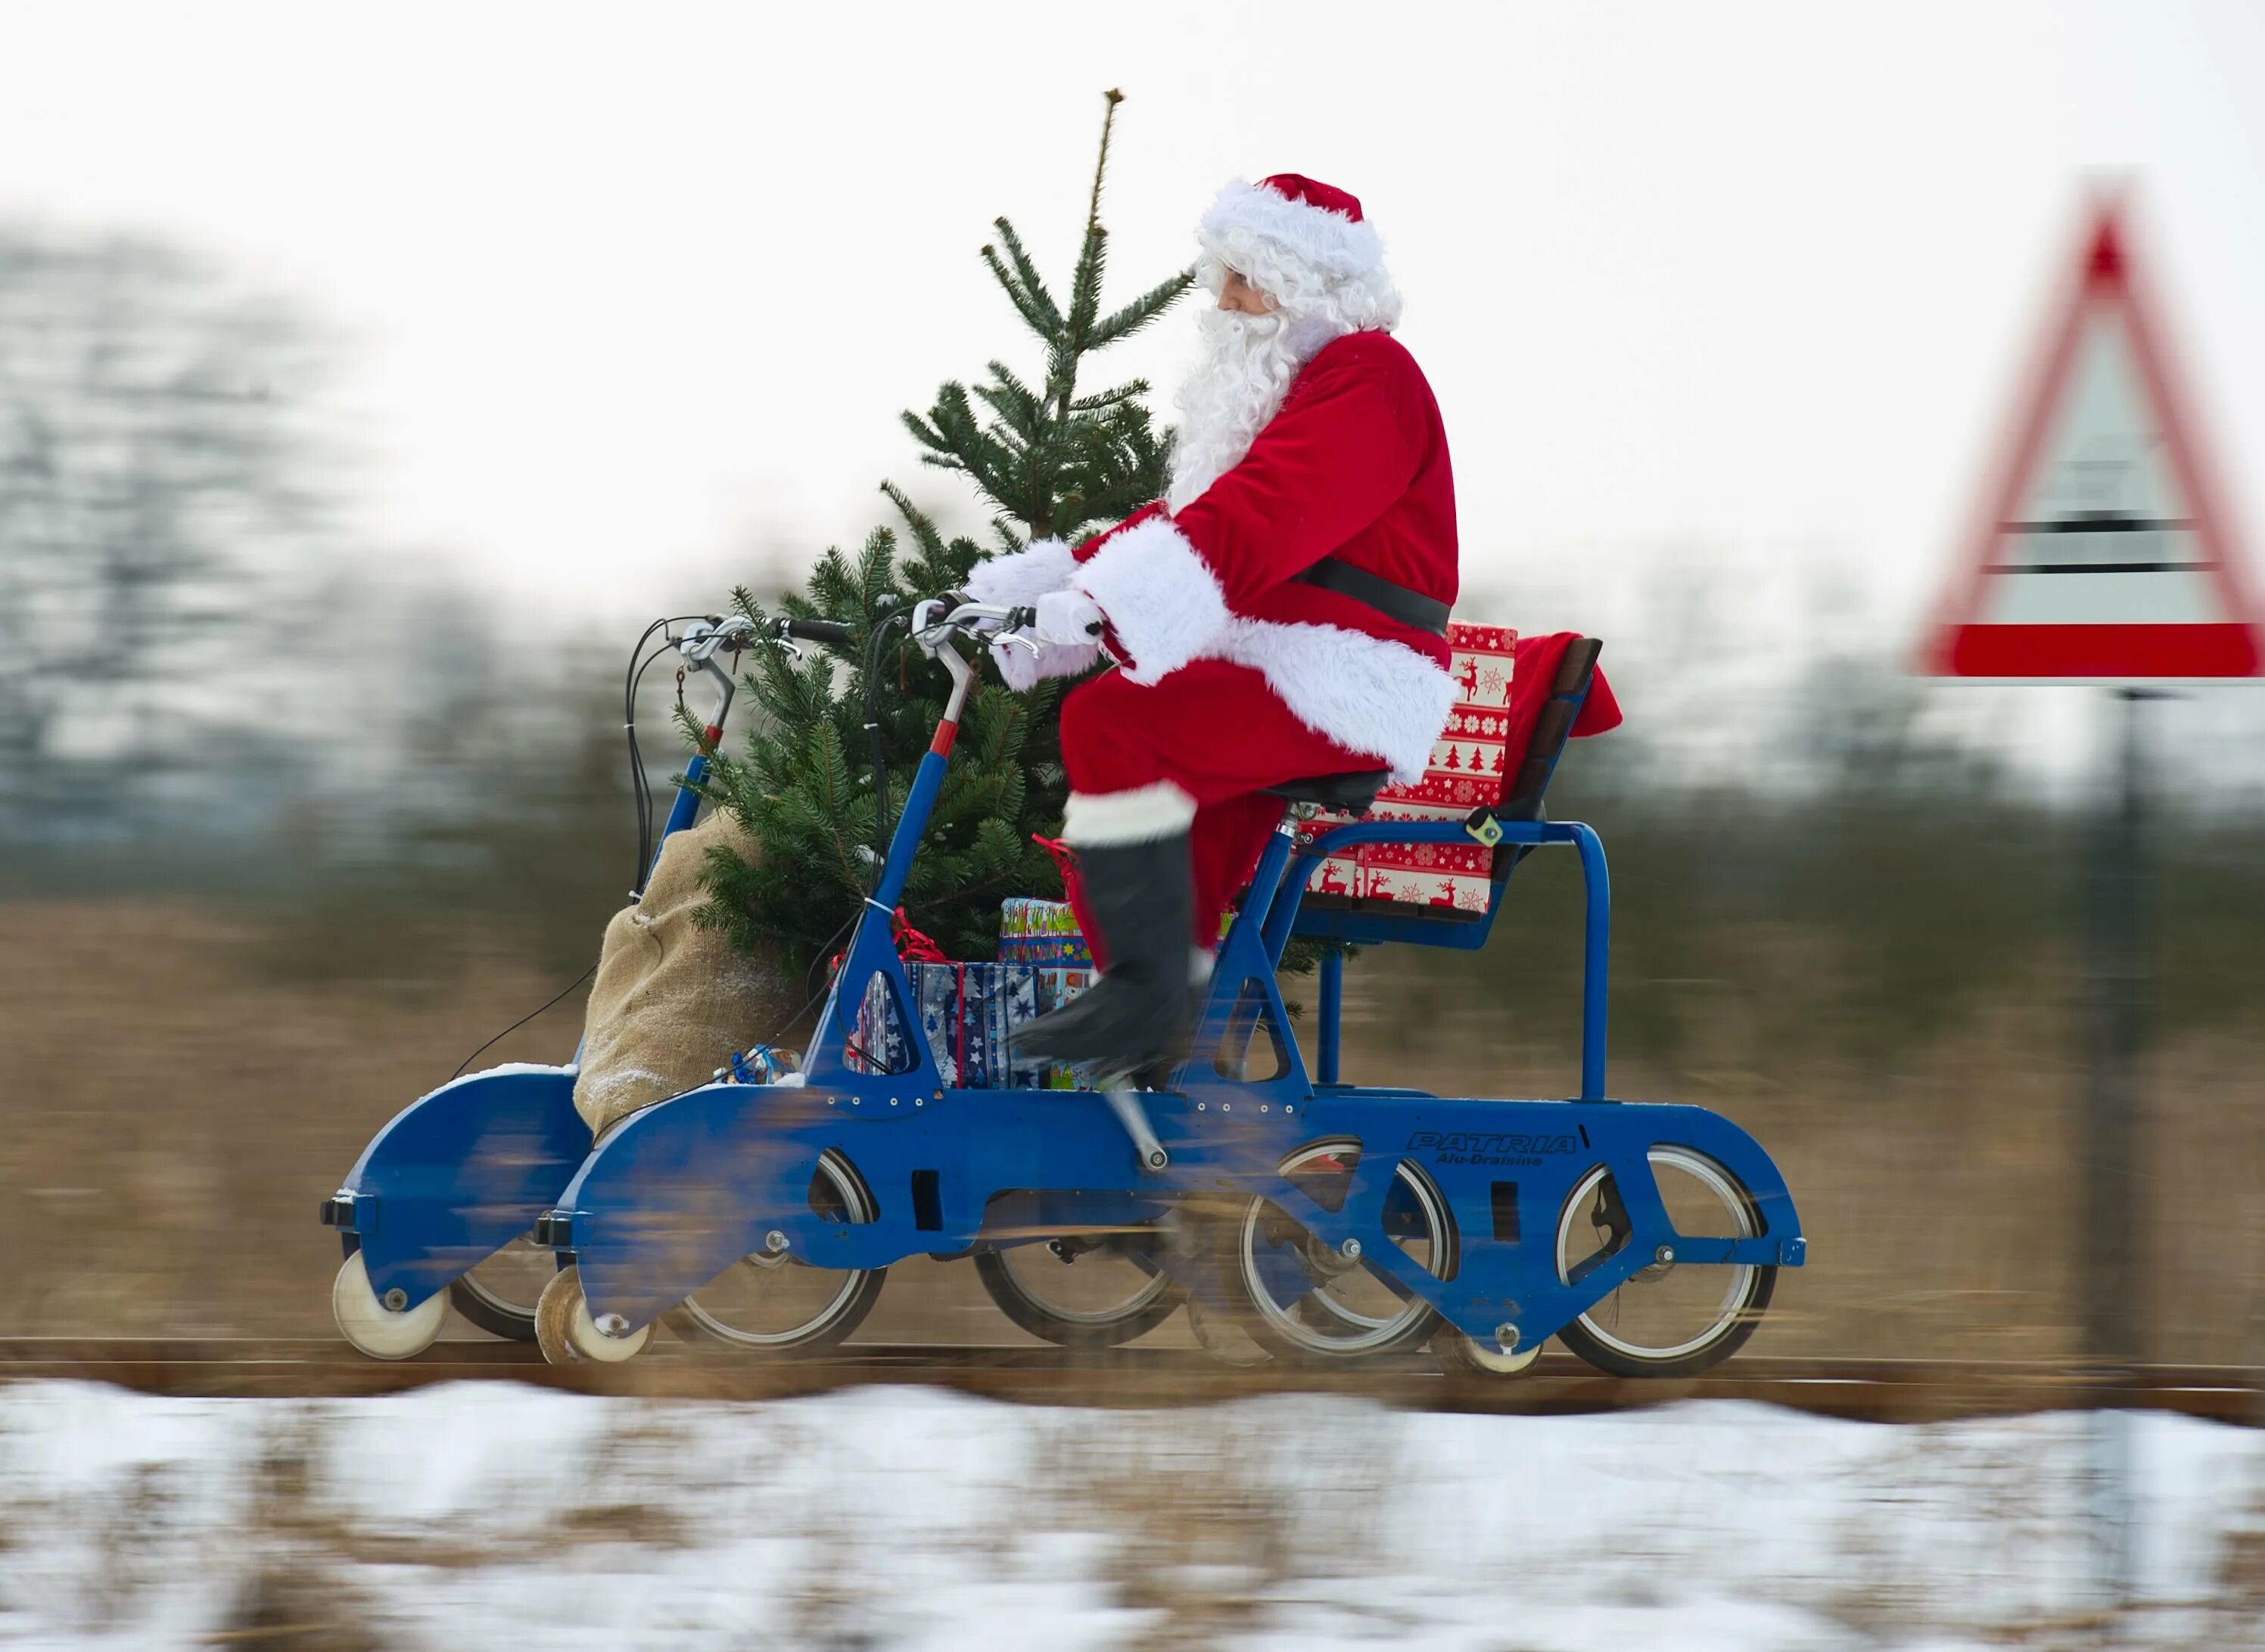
(833, 631)
(931, 620)
(953, 612)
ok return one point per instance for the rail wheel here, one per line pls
(570, 1335)
(380, 1329)
(1459, 1356)
(1306, 1300)
(499, 1295)
(1082, 1291)
(1671, 1319)
(772, 1302)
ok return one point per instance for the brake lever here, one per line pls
(699, 644)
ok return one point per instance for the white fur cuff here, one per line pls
(1161, 597)
(1368, 695)
(1141, 815)
(1021, 577)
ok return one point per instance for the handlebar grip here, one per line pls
(819, 631)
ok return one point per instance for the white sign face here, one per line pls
(2105, 534)
(2100, 561)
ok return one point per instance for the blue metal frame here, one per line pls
(873, 951)
(677, 1192)
(457, 1174)
(1370, 928)
(682, 813)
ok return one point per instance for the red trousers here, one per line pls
(1220, 733)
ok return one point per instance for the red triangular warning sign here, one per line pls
(2103, 554)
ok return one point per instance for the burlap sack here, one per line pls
(672, 1001)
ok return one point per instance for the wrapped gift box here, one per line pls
(1058, 984)
(1043, 932)
(1046, 933)
(968, 1012)
(1470, 765)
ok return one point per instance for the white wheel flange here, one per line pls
(1459, 1353)
(567, 1332)
(377, 1330)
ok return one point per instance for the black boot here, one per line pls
(1142, 897)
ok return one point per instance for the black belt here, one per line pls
(1394, 601)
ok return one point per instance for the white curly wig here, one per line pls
(1318, 264)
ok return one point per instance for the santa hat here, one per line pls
(1299, 225)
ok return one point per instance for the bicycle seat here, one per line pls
(1348, 793)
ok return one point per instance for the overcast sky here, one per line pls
(637, 293)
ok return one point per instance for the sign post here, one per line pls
(2103, 556)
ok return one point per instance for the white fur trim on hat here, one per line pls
(1161, 598)
(1330, 244)
(1142, 814)
(1368, 693)
(1021, 577)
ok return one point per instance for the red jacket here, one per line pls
(1353, 467)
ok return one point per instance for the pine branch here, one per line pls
(1024, 413)
(1023, 283)
(1085, 286)
(956, 443)
(924, 531)
(1107, 399)
(1101, 165)
(1138, 314)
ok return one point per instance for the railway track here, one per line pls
(1883, 1391)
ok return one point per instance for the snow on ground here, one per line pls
(490, 1514)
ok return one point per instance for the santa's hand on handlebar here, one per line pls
(1068, 619)
(1067, 629)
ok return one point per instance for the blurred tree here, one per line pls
(1051, 461)
(158, 477)
(507, 808)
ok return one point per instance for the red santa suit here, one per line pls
(1237, 672)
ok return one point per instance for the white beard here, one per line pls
(1237, 390)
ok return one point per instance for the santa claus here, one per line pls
(1281, 613)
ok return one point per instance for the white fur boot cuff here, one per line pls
(1141, 815)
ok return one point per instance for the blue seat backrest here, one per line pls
(1366, 922)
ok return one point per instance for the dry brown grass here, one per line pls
(180, 1089)
(177, 1102)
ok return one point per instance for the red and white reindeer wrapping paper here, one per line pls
(1469, 766)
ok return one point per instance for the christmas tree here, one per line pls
(1048, 460)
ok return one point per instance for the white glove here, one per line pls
(1069, 619)
(1020, 669)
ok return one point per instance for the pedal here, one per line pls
(1125, 1104)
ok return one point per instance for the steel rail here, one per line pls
(1883, 1391)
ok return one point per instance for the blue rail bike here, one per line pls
(1299, 1217)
